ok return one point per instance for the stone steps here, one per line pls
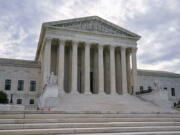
(104, 103)
(84, 125)
(88, 130)
(51, 115)
(87, 120)
(138, 133)
(56, 122)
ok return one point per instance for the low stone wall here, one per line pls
(11, 107)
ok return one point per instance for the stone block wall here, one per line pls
(162, 83)
(15, 73)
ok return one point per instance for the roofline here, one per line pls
(157, 71)
(20, 60)
(166, 73)
(92, 17)
(19, 63)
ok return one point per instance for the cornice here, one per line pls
(92, 33)
(157, 73)
(19, 63)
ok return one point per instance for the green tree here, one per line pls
(3, 98)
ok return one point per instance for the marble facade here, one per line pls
(81, 62)
(87, 62)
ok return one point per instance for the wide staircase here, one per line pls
(58, 122)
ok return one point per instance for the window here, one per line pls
(172, 91)
(7, 84)
(31, 101)
(33, 86)
(141, 88)
(19, 101)
(20, 85)
(165, 88)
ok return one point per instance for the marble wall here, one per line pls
(15, 73)
(161, 83)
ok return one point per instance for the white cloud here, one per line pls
(156, 21)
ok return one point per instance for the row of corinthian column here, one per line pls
(74, 74)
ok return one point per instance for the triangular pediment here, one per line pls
(93, 24)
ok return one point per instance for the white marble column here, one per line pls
(61, 67)
(47, 61)
(112, 70)
(87, 68)
(124, 73)
(134, 69)
(128, 71)
(74, 67)
(100, 70)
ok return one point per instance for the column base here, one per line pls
(113, 92)
(74, 92)
(101, 92)
(125, 94)
(87, 93)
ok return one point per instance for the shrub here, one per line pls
(3, 98)
(178, 104)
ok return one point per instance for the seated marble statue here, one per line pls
(52, 79)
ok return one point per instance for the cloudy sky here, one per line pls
(157, 21)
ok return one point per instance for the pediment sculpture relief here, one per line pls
(93, 26)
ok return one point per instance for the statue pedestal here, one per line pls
(50, 93)
(49, 96)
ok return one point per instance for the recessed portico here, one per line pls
(90, 67)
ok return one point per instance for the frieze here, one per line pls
(93, 26)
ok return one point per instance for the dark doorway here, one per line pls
(80, 70)
(67, 68)
(80, 88)
(91, 82)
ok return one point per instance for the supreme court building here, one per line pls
(81, 62)
(89, 55)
